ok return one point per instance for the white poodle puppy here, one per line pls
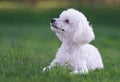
(75, 33)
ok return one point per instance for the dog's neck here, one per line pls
(71, 47)
(70, 43)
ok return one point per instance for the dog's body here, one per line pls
(75, 33)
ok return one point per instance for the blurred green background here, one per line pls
(27, 43)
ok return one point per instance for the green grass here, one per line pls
(27, 45)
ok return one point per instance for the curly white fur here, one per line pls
(75, 33)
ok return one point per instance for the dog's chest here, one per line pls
(68, 55)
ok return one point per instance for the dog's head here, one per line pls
(72, 25)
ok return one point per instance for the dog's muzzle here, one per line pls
(53, 20)
(52, 23)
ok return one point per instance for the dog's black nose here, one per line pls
(53, 20)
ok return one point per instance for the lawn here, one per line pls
(27, 45)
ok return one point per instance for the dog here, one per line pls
(75, 33)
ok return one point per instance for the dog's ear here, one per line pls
(84, 33)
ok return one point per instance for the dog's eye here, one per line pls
(66, 21)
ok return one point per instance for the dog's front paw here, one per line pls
(74, 72)
(83, 71)
(46, 68)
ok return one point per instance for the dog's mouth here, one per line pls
(54, 26)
